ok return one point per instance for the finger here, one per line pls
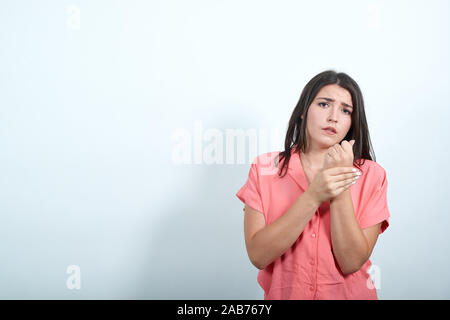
(346, 177)
(346, 146)
(349, 185)
(344, 183)
(328, 159)
(344, 186)
(344, 149)
(340, 170)
(331, 151)
(337, 147)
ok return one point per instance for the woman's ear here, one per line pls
(301, 116)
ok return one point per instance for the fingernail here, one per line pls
(358, 173)
(353, 169)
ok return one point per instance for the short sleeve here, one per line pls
(250, 192)
(375, 209)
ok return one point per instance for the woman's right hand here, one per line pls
(329, 183)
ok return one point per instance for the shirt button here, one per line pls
(311, 288)
(311, 262)
(313, 235)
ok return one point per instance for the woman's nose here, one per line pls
(333, 114)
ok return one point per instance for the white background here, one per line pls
(92, 92)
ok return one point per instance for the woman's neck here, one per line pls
(313, 160)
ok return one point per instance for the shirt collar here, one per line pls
(296, 171)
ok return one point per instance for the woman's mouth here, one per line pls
(329, 131)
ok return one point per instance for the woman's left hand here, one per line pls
(339, 155)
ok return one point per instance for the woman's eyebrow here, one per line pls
(332, 100)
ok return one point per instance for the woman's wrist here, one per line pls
(312, 197)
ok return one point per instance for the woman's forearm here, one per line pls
(350, 246)
(274, 239)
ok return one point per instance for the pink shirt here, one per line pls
(308, 270)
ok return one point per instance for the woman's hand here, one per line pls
(339, 155)
(329, 183)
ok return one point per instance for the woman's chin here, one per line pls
(327, 143)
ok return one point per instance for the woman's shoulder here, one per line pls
(265, 158)
(372, 169)
(266, 164)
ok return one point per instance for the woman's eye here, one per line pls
(324, 103)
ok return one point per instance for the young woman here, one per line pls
(311, 230)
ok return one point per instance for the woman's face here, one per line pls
(332, 107)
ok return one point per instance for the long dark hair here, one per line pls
(359, 131)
